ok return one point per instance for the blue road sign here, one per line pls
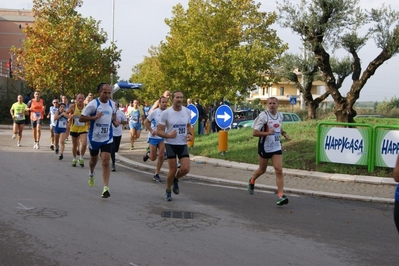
(224, 116)
(194, 113)
(292, 100)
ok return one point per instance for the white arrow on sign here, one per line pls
(193, 114)
(225, 116)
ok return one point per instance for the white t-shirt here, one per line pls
(176, 121)
(154, 119)
(272, 142)
(100, 129)
(120, 116)
(53, 110)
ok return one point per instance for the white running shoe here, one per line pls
(18, 144)
(37, 145)
(14, 136)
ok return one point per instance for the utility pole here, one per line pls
(113, 37)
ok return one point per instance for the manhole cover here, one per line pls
(177, 215)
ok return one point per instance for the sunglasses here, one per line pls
(55, 102)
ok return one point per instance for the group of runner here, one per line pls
(98, 124)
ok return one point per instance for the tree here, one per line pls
(150, 75)
(63, 52)
(218, 48)
(338, 24)
(292, 66)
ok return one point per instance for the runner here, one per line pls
(53, 109)
(17, 112)
(100, 112)
(78, 130)
(37, 111)
(268, 127)
(135, 120)
(117, 126)
(155, 141)
(61, 119)
(156, 103)
(175, 128)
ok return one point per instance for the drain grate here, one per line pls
(177, 215)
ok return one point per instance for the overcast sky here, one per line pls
(138, 24)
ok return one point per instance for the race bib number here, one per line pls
(19, 116)
(277, 136)
(37, 115)
(182, 130)
(101, 130)
(77, 122)
(134, 119)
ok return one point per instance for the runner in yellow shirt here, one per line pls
(17, 112)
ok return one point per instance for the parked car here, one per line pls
(287, 118)
(241, 116)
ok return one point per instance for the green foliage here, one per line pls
(386, 106)
(64, 53)
(218, 48)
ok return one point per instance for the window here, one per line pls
(281, 90)
(287, 117)
(295, 117)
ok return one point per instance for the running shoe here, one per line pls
(113, 168)
(52, 147)
(18, 144)
(57, 150)
(131, 147)
(74, 161)
(81, 162)
(250, 187)
(282, 200)
(168, 195)
(157, 178)
(92, 180)
(105, 193)
(61, 157)
(145, 157)
(14, 136)
(37, 145)
(176, 186)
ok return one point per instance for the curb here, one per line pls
(273, 188)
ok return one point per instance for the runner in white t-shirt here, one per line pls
(155, 142)
(100, 113)
(175, 128)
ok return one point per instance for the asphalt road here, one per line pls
(50, 216)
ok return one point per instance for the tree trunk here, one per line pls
(312, 107)
(343, 109)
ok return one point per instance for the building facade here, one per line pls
(12, 23)
(284, 91)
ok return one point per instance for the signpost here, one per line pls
(194, 118)
(224, 117)
(194, 113)
(292, 102)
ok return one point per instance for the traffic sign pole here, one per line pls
(194, 118)
(224, 118)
